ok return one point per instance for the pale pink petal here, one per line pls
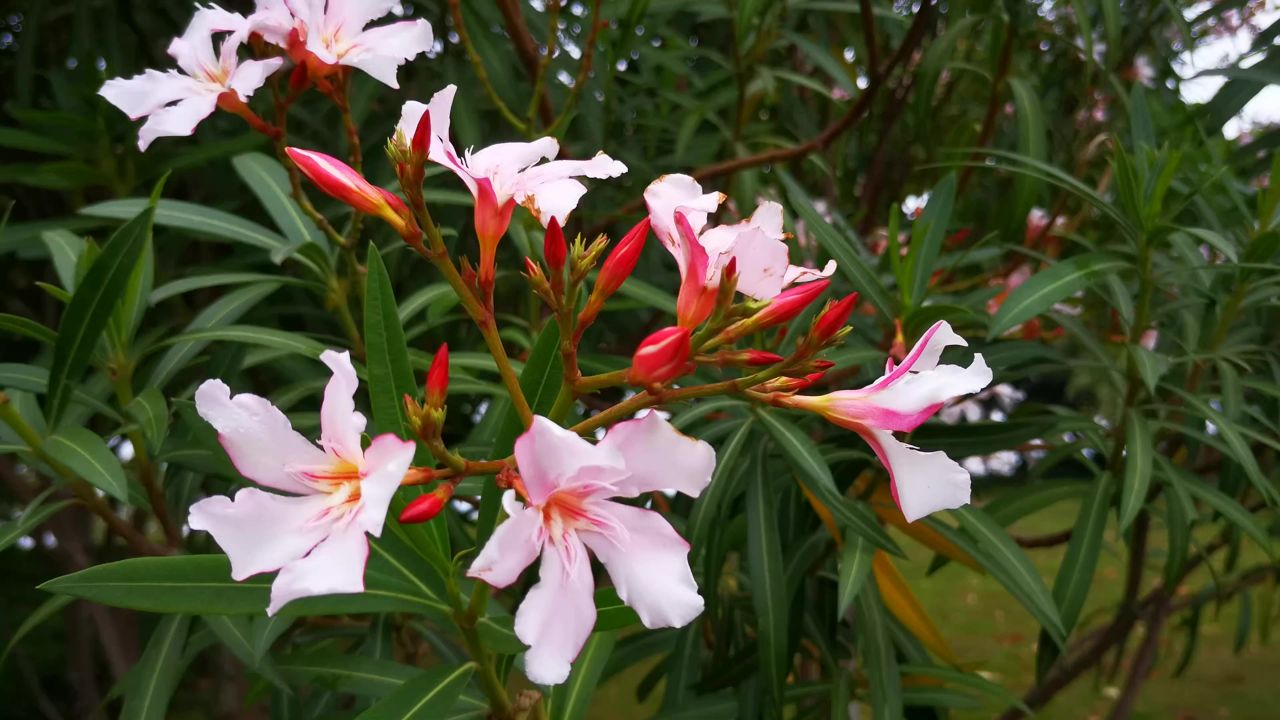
(503, 163)
(599, 167)
(386, 461)
(923, 482)
(353, 15)
(659, 457)
(550, 457)
(146, 93)
(761, 260)
(261, 532)
(334, 566)
(557, 615)
(797, 274)
(251, 74)
(177, 120)
(649, 565)
(671, 193)
(258, 437)
(924, 354)
(441, 150)
(905, 404)
(193, 50)
(382, 50)
(514, 545)
(554, 199)
(309, 12)
(340, 424)
(768, 217)
(272, 20)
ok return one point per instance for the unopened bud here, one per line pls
(660, 358)
(746, 358)
(421, 143)
(341, 181)
(492, 219)
(538, 281)
(426, 507)
(413, 413)
(782, 308)
(833, 319)
(438, 378)
(622, 261)
(789, 385)
(554, 248)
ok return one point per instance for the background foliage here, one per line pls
(1138, 431)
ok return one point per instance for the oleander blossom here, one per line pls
(326, 34)
(506, 174)
(758, 244)
(566, 486)
(902, 399)
(174, 102)
(335, 492)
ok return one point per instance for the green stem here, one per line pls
(490, 684)
(147, 475)
(340, 298)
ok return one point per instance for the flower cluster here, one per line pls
(567, 498)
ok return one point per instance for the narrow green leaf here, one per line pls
(223, 311)
(88, 455)
(1076, 573)
(33, 516)
(151, 412)
(65, 249)
(706, 515)
(270, 182)
(570, 700)
(201, 220)
(1224, 504)
(855, 567)
(1042, 290)
(878, 658)
(1009, 565)
(90, 309)
(152, 682)
(927, 235)
(390, 376)
(426, 697)
(36, 380)
(859, 270)
(236, 633)
(185, 285)
(1239, 448)
(27, 328)
(42, 613)
(1139, 449)
(768, 586)
(1151, 365)
(348, 673)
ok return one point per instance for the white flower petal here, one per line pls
(177, 120)
(554, 199)
(353, 15)
(556, 617)
(385, 463)
(382, 50)
(261, 532)
(258, 437)
(334, 566)
(649, 565)
(659, 457)
(251, 75)
(340, 424)
(671, 193)
(514, 546)
(550, 457)
(146, 93)
(923, 482)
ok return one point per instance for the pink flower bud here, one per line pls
(421, 142)
(748, 358)
(696, 300)
(438, 378)
(491, 220)
(341, 181)
(789, 303)
(618, 266)
(834, 318)
(426, 507)
(661, 357)
(554, 248)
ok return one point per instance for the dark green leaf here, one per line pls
(1042, 290)
(768, 586)
(1076, 573)
(426, 697)
(91, 459)
(1139, 449)
(152, 682)
(855, 566)
(569, 700)
(878, 658)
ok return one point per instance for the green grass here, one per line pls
(993, 635)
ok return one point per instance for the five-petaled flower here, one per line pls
(757, 243)
(506, 174)
(315, 535)
(906, 396)
(566, 483)
(327, 34)
(175, 102)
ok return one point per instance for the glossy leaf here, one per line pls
(426, 697)
(1042, 290)
(88, 455)
(768, 595)
(1139, 449)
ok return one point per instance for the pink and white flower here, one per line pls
(906, 396)
(333, 33)
(566, 485)
(175, 102)
(506, 174)
(314, 533)
(758, 244)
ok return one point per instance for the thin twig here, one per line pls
(477, 65)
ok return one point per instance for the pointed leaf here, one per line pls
(1139, 448)
(570, 700)
(768, 586)
(91, 459)
(426, 697)
(1042, 290)
(152, 682)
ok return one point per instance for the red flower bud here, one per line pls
(834, 318)
(554, 248)
(341, 181)
(618, 266)
(491, 221)
(438, 378)
(696, 300)
(421, 141)
(749, 358)
(425, 507)
(789, 303)
(661, 357)
(823, 365)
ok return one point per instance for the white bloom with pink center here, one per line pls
(336, 492)
(333, 31)
(175, 102)
(566, 484)
(758, 243)
(906, 396)
(506, 172)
